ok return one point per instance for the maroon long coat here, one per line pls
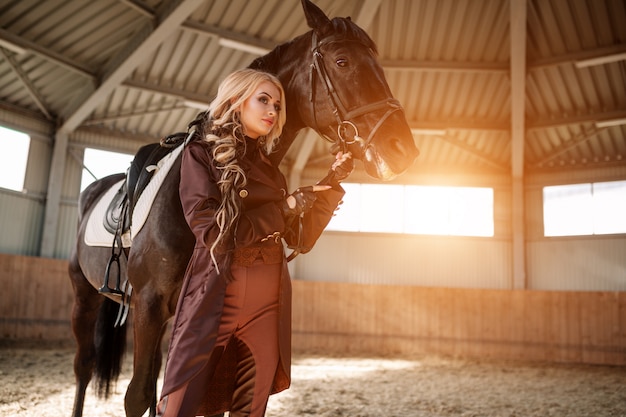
(202, 296)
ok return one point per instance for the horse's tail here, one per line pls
(110, 342)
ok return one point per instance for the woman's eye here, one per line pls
(277, 108)
(342, 62)
(263, 100)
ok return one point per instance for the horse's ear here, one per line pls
(315, 17)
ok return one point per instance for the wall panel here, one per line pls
(590, 264)
(37, 301)
(347, 319)
(368, 258)
(21, 217)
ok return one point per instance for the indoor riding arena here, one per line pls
(477, 265)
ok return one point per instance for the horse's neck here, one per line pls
(290, 63)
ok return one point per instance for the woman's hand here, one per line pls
(302, 200)
(343, 166)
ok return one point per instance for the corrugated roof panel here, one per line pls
(448, 65)
(12, 90)
(85, 31)
(91, 31)
(191, 72)
(559, 27)
(540, 93)
(65, 90)
(573, 145)
(438, 97)
(557, 90)
(434, 30)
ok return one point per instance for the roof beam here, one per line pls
(601, 119)
(581, 59)
(139, 7)
(601, 60)
(566, 146)
(593, 56)
(435, 125)
(179, 94)
(606, 116)
(230, 38)
(445, 66)
(21, 45)
(30, 88)
(134, 113)
(136, 51)
(227, 38)
(473, 151)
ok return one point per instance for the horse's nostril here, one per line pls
(397, 144)
(398, 154)
(396, 147)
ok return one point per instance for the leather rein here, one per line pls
(339, 109)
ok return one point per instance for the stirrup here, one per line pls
(105, 289)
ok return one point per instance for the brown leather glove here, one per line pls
(304, 197)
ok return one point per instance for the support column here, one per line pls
(53, 198)
(518, 133)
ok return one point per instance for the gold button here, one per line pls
(243, 193)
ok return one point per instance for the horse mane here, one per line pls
(342, 27)
(269, 61)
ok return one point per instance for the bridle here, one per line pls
(343, 115)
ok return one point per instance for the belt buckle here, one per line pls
(274, 236)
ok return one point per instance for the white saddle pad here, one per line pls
(97, 235)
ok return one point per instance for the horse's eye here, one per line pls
(342, 62)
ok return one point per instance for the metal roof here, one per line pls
(138, 68)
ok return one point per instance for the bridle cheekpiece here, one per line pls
(343, 115)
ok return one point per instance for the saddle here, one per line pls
(119, 213)
(118, 216)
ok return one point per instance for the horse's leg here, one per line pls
(158, 357)
(156, 368)
(148, 326)
(84, 314)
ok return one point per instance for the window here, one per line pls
(13, 158)
(584, 209)
(459, 211)
(98, 164)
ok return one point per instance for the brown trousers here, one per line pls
(249, 323)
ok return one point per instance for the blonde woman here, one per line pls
(230, 344)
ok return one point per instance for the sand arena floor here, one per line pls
(38, 381)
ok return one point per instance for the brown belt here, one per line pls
(271, 252)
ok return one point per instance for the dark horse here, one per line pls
(334, 85)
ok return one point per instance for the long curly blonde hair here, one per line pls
(224, 131)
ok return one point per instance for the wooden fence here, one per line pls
(348, 319)
(36, 299)
(583, 327)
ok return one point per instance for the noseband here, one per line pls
(344, 116)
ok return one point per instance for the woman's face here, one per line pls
(259, 113)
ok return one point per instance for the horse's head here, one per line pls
(335, 85)
(352, 104)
